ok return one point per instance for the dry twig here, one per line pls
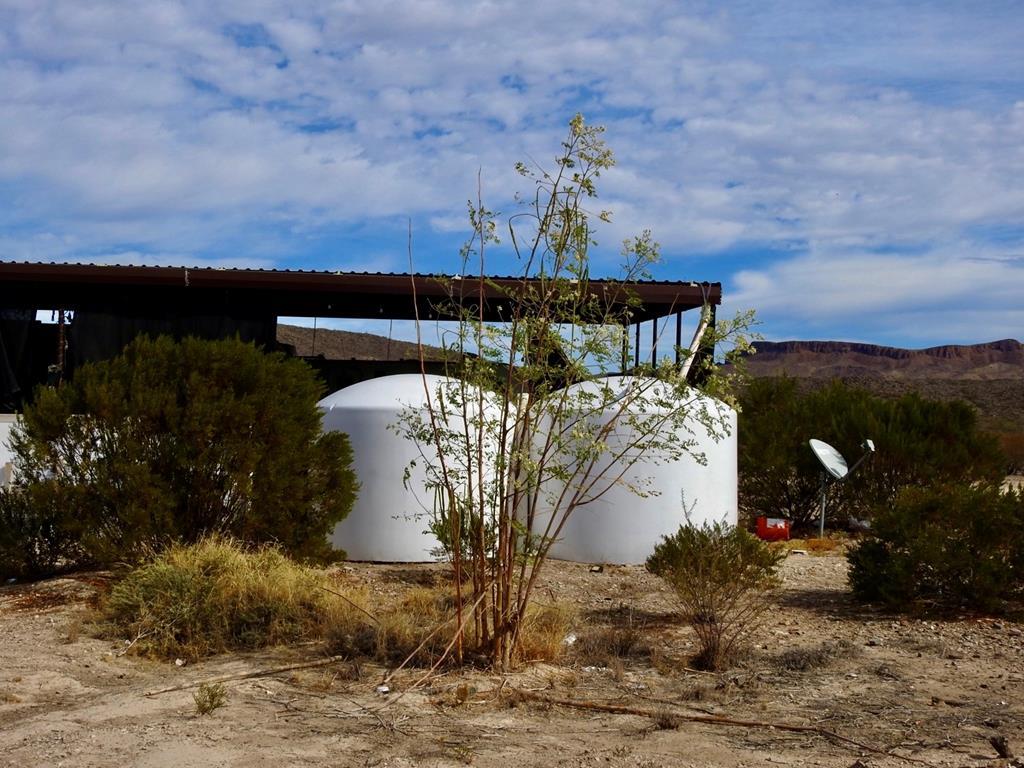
(620, 709)
(247, 675)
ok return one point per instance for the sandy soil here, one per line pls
(930, 690)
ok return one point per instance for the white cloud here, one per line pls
(281, 131)
(945, 295)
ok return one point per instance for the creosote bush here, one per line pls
(170, 441)
(721, 574)
(950, 546)
(218, 595)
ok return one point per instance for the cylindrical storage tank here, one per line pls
(622, 526)
(390, 519)
(7, 422)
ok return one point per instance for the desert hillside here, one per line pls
(989, 376)
(996, 360)
(349, 345)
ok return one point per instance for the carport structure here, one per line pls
(111, 304)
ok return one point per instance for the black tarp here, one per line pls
(27, 347)
(102, 335)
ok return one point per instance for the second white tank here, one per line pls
(618, 525)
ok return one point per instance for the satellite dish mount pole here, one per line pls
(824, 494)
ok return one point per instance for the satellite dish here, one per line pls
(831, 459)
(835, 465)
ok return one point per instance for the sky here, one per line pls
(851, 171)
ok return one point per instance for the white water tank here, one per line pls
(620, 526)
(7, 422)
(389, 521)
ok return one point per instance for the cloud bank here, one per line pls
(852, 171)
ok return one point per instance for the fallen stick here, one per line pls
(620, 709)
(372, 618)
(247, 675)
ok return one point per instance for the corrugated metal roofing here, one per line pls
(295, 292)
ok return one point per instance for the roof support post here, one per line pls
(679, 334)
(625, 345)
(654, 342)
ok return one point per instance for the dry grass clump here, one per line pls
(218, 595)
(816, 546)
(602, 646)
(415, 622)
(806, 659)
(821, 546)
(422, 622)
(545, 627)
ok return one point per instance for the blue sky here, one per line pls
(849, 170)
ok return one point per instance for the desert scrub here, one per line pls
(218, 595)
(951, 547)
(721, 574)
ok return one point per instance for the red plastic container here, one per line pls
(773, 529)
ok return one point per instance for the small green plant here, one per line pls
(721, 574)
(210, 697)
(218, 595)
(945, 546)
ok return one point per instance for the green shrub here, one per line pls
(217, 595)
(36, 535)
(721, 574)
(918, 441)
(950, 546)
(172, 440)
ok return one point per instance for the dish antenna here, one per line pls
(836, 469)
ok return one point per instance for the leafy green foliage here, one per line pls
(720, 574)
(35, 535)
(949, 545)
(917, 441)
(555, 448)
(171, 441)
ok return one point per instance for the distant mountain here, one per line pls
(989, 376)
(997, 360)
(349, 345)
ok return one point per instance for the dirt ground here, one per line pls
(934, 691)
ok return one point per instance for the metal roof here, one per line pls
(298, 293)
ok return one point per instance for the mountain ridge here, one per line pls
(1002, 359)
